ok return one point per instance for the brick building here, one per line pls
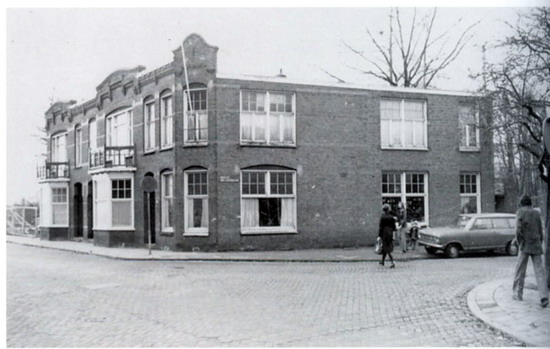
(257, 162)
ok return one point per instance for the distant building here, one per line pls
(259, 163)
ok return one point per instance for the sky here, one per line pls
(63, 54)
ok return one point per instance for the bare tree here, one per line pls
(520, 86)
(413, 56)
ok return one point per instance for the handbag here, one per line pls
(378, 247)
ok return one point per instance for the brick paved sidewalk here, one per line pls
(525, 320)
(315, 255)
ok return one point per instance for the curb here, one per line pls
(222, 259)
(490, 303)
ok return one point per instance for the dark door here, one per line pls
(149, 217)
(78, 205)
(90, 210)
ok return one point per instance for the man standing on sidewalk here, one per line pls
(529, 236)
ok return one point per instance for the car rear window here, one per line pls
(483, 223)
(501, 223)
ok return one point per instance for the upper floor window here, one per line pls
(470, 195)
(78, 145)
(119, 129)
(92, 134)
(268, 201)
(469, 128)
(195, 121)
(268, 118)
(149, 120)
(59, 148)
(166, 120)
(403, 124)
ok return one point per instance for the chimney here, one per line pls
(281, 75)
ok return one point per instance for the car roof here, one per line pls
(490, 215)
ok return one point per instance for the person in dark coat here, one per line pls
(529, 237)
(385, 233)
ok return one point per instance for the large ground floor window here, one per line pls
(196, 202)
(60, 210)
(268, 201)
(113, 199)
(411, 188)
(470, 195)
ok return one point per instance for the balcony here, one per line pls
(108, 157)
(53, 170)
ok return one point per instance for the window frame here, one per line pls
(166, 133)
(267, 194)
(197, 116)
(403, 194)
(58, 152)
(149, 124)
(164, 205)
(92, 125)
(465, 127)
(477, 194)
(188, 230)
(130, 200)
(78, 146)
(266, 114)
(54, 204)
(110, 127)
(387, 144)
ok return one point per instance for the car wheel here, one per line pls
(452, 251)
(511, 249)
(430, 250)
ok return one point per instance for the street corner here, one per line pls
(525, 320)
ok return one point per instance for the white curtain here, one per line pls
(250, 213)
(288, 129)
(288, 210)
(274, 128)
(204, 218)
(122, 213)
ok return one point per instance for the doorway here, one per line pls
(90, 210)
(149, 215)
(78, 207)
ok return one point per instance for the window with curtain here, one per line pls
(166, 125)
(469, 128)
(410, 188)
(267, 118)
(403, 124)
(167, 204)
(195, 116)
(121, 202)
(59, 206)
(470, 196)
(196, 202)
(149, 124)
(268, 201)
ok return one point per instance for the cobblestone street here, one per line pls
(62, 299)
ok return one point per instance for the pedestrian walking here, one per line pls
(529, 237)
(402, 224)
(385, 233)
(413, 232)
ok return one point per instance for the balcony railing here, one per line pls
(112, 157)
(53, 170)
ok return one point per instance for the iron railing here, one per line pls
(53, 170)
(112, 156)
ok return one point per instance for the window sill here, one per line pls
(196, 233)
(268, 231)
(469, 150)
(405, 149)
(149, 151)
(197, 144)
(168, 147)
(268, 145)
(167, 233)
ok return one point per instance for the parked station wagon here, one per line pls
(472, 232)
